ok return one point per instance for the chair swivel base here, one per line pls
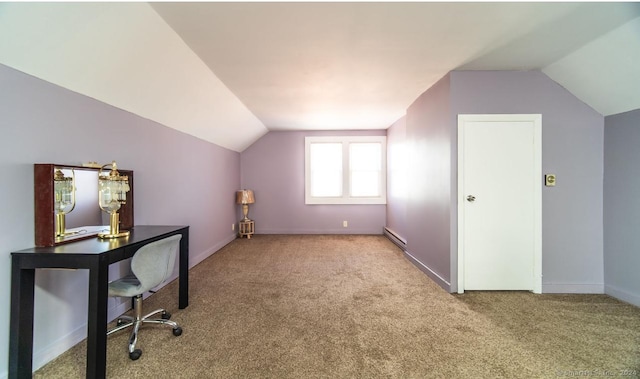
(138, 320)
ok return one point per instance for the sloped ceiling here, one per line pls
(360, 65)
(125, 55)
(605, 73)
(230, 72)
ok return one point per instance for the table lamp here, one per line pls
(112, 193)
(245, 197)
(64, 199)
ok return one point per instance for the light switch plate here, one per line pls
(550, 180)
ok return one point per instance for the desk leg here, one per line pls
(21, 324)
(183, 300)
(97, 322)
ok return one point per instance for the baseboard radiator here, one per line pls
(395, 238)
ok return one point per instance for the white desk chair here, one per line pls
(151, 265)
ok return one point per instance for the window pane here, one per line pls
(326, 156)
(365, 161)
(326, 169)
(345, 170)
(364, 156)
(365, 183)
(326, 183)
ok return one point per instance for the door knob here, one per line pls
(471, 198)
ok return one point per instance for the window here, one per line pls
(345, 170)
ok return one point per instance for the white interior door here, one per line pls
(499, 202)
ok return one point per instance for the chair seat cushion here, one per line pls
(128, 286)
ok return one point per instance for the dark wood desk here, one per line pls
(95, 255)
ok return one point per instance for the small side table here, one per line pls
(246, 228)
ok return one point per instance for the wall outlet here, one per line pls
(345, 224)
(233, 226)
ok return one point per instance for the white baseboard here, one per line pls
(585, 288)
(194, 260)
(55, 348)
(324, 231)
(430, 273)
(623, 295)
(43, 356)
(52, 350)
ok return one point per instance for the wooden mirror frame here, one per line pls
(43, 205)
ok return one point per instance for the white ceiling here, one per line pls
(360, 65)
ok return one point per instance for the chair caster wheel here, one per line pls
(120, 322)
(177, 331)
(165, 315)
(135, 354)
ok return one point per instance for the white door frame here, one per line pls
(537, 190)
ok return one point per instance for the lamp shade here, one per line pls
(245, 197)
(112, 193)
(113, 189)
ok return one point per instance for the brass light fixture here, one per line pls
(64, 199)
(112, 193)
(246, 227)
(245, 197)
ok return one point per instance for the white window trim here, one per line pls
(346, 182)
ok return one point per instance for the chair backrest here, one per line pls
(153, 263)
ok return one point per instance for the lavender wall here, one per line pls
(273, 167)
(178, 180)
(622, 206)
(429, 135)
(398, 173)
(572, 148)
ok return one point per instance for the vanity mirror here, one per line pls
(67, 207)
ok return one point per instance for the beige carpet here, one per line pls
(320, 306)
